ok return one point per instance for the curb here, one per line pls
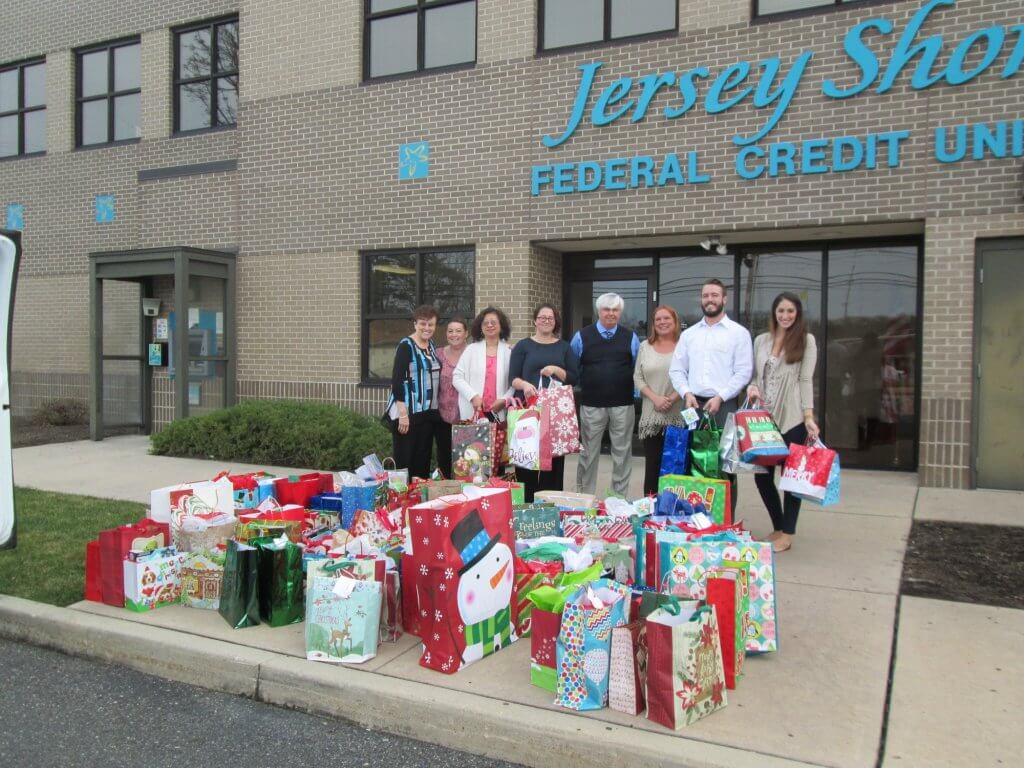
(467, 722)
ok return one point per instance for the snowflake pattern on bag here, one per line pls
(565, 429)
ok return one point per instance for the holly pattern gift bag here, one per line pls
(685, 676)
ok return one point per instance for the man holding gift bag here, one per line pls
(713, 361)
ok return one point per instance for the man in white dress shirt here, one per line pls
(713, 361)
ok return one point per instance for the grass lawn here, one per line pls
(48, 564)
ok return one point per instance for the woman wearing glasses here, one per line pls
(536, 361)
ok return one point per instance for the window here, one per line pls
(565, 23)
(773, 7)
(206, 76)
(415, 35)
(395, 283)
(108, 89)
(23, 109)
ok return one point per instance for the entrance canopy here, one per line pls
(154, 298)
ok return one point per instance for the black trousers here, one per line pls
(653, 448)
(534, 480)
(784, 513)
(443, 440)
(412, 450)
(727, 407)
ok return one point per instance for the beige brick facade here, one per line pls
(316, 181)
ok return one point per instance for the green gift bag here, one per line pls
(279, 581)
(239, 604)
(704, 446)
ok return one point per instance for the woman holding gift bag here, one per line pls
(544, 357)
(662, 405)
(457, 333)
(784, 361)
(412, 410)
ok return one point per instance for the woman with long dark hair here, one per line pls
(784, 360)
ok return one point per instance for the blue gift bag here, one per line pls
(675, 457)
(356, 497)
(671, 505)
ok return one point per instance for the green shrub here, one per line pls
(277, 432)
(62, 412)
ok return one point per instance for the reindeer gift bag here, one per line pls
(342, 616)
(462, 547)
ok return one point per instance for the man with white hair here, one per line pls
(607, 354)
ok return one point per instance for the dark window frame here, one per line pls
(110, 96)
(177, 81)
(607, 39)
(21, 110)
(365, 257)
(827, 6)
(422, 6)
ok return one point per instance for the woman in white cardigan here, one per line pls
(784, 360)
(481, 377)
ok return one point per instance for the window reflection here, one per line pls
(681, 278)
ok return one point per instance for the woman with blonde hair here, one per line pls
(662, 405)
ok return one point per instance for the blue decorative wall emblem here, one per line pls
(105, 212)
(414, 160)
(15, 216)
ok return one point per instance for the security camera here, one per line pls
(151, 307)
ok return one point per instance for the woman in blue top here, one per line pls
(412, 411)
(537, 361)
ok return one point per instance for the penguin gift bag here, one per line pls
(463, 555)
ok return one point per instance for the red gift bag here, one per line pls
(530, 574)
(410, 596)
(725, 594)
(544, 629)
(299, 490)
(93, 582)
(114, 546)
(759, 440)
(463, 554)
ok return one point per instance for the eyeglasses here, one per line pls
(545, 318)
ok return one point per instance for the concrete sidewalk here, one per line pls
(821, 700)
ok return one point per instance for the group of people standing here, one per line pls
(708, 366)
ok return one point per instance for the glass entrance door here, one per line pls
(636, 293)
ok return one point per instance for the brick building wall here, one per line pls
(317, 175)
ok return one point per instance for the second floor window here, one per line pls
(413, 35)
(206, 76)
(109, 88)
(566, 23)
(23, 109)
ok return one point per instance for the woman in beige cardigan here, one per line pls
(784, 360)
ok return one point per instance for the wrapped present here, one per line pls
(758, 438)
(192, 498)
(202, 574)
(529, 575)
(473, 450)
(462, 549)
(152, 578)
(529, 438)
(685, 676)
(728, 590)
(342, 619)
(582, 527)
(627, 674)
(584, 643)
(114, 546)
(280, 581)
(531, 521)
(683, 561)
(714, 495)
(675, 456)
(250, 489)
(564, 430)
(567, 500)
(239, 599)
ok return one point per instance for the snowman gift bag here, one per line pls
(463, 556)
(584, 643)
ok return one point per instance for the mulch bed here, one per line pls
(965, 562)
(25, 432)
